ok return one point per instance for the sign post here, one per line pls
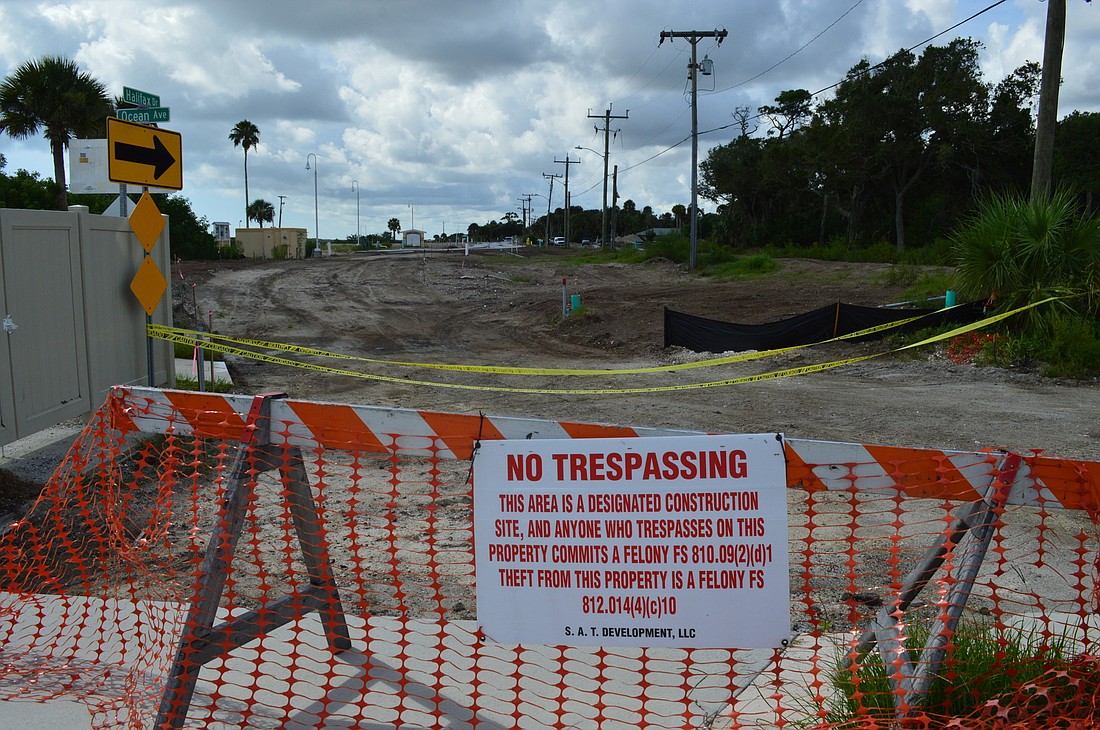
(138, 154)
(674, 542)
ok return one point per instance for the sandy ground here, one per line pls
(502, 309)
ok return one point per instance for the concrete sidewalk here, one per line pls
(212, 371)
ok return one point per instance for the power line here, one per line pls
(804, 46)
(640, 69)
(926, 41)
(827, 88)
(817, 93)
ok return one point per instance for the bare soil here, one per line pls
(496, 308)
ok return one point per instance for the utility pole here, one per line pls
(549, 199)
(282, 199)
(607, 116)
(567, 162)
(1048, 99)
(693, 37)
(614, 207)
(530, 209)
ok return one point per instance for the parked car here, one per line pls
(558, 240)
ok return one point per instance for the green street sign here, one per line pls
(153, 115)
(139, 98)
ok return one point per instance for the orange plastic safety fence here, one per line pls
(111, 571)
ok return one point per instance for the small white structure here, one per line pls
(413, 238)
(221, 232)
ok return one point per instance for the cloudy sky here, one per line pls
(447, 112)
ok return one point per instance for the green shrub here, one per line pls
(982, 663)
(231, 250)
(1025, 251)
(937, 253)
(1073, 348)
(753, 265)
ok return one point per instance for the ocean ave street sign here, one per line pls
(142, 155)
(139, 98)
(151, 115)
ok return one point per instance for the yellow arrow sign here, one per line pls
(141, 155)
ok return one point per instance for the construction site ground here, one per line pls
(506, 309)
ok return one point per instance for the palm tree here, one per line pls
(54, 94)
(247, 135)
(394, 226)
(1027, 250)
(260, 211)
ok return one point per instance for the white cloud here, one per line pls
(461, 107)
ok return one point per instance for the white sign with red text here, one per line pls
(677, 541)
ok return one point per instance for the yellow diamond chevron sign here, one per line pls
(141, 155)
(147, 222)
(148, 285)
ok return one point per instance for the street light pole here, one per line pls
(316, 217)
(355, 187)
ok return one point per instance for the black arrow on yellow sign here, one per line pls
(138, 154)
(158, 157)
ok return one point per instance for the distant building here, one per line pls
(413, 238)
(221, 232)
(272, 243)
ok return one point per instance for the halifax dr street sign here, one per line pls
(139, 98)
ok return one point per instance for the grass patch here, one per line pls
(217, 386)
(920, 284)
(983, 662)
(186, 351)
(938, 253)
(1070, 349)
(747, 266)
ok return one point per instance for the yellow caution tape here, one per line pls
(174, 336)
(193, 337)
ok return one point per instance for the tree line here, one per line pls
(900, 153)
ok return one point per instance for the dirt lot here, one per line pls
(502, 309)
